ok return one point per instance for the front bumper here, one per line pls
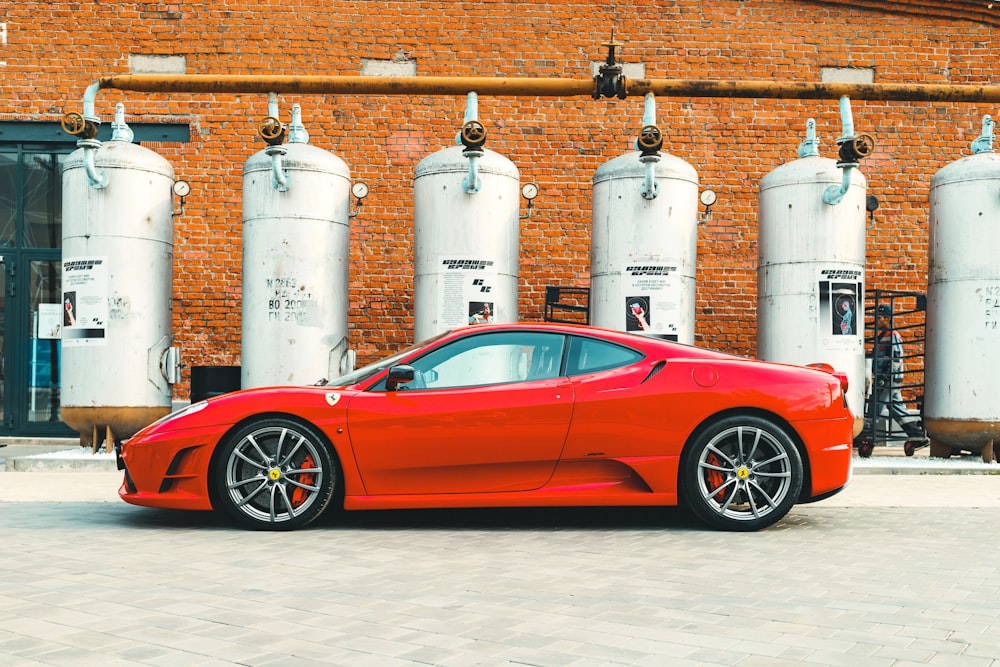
(169, 469)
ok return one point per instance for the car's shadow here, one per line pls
(502, 519)
(528, 518)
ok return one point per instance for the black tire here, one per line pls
(275, 474)
(866, 449)
(742, 473)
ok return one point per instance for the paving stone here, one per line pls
(855, 584)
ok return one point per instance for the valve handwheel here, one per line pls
(271, 129)
(864, 145)
(73, 123)
(473, 134)
(650, 138)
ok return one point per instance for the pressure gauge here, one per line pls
(708, 197)
(529, 191)
(182, 188)
(360, 189)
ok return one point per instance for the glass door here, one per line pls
(30, 289)
(4, 428)
(32, 328)
(44, 327)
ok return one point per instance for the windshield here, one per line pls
(365, 372)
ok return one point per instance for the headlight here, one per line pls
(183, 412)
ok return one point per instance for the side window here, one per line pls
(489, 359)
(588, 355)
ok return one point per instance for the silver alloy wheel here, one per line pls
(274, 474)
(744, 473)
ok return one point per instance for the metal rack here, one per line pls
(909, 317)
(569, 305)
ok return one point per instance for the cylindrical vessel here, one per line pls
(961, 382)
(117, 278)
(644, 251)
(295, 266)
(465, 244)
(811, 271)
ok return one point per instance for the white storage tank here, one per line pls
(466, 239)
(811, 268)
(296, 234)
(961, 409)
(644, 248)
(117, 276)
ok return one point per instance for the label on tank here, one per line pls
(84, 301)
(989, 298)
(841, 305)
(652, 299)
(467, 291)
(290, 299)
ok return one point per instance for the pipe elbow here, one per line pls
(279, 180)
(97, 179)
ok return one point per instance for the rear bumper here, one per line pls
(829, 446)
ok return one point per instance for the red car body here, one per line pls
(577, 434)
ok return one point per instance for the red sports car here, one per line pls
(510, 416)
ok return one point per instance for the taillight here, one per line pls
(840, 375)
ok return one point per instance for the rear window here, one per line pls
(589, 355)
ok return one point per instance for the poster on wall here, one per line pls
(85, 301)
(49, 321)
(841, 304)
(466, 292)
(652, 299)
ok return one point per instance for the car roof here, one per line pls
(647, 343)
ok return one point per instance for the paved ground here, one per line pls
(896, 570)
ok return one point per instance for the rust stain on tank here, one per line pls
(124, 421)
(963, 433)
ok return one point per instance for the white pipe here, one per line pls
(650, 188)
(279, 180)
(97, 179)
(471, 183)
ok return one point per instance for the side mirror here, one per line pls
(398, 375)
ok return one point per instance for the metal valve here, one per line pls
(650, 140)
(610, 80)
(76, 125)
(271, 131)
(855, 148)
(473, 134)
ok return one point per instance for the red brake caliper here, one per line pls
(715, 478)
(309, 478)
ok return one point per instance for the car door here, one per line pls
(488, 412)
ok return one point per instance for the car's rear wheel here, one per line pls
(275, 474)
(742, 473)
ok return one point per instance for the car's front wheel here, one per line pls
(275, 474)
(742, 473)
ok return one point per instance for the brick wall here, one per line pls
(54, 50)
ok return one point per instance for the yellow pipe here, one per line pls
(540, 87)
(354, 85)
(898, 92)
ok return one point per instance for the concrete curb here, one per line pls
(54, 464)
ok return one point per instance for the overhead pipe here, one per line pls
(539, 87)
